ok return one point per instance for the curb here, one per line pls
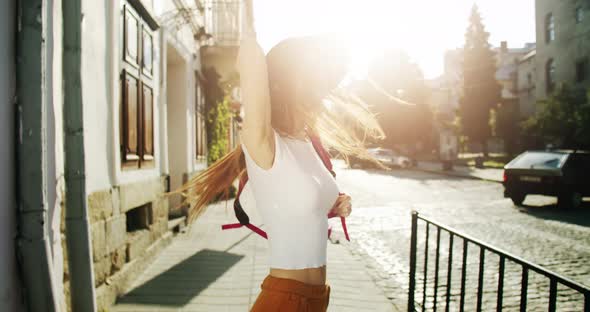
(439, 172)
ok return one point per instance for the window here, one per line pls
(137, 97)
(529, 86)
(550, 75)
(139, 218)
(543, 160)
(549, 28)
(582, 70)
(579, 15)
(529, 79)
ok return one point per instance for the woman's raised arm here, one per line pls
(256, 131)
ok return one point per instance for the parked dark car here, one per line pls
(565, 174)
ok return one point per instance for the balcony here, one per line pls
(223, 21)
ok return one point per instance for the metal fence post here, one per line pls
(554, 278)
(413, 243)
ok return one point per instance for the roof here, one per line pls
(528, 55)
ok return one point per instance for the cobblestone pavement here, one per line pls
(209, 270)
(380, 229)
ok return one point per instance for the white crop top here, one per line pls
(293, 199)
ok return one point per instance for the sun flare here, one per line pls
(422, 28)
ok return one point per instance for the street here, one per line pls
(380, 230)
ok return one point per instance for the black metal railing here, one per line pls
(504, 258)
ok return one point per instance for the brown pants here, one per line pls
(288, 295)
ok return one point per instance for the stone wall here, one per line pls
(125, 221)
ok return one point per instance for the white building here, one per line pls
(526, 84)
(111, 116)
(448, 88)
(507, 62)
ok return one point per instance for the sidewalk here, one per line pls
(207, 269)
(492, 175)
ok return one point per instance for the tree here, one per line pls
(481, 91)
(218, 112)
(504, 123)
(393, 74)
(563, 119)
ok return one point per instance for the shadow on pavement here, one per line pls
(179, 284)
(580, 216)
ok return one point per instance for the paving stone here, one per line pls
(207, 269)
(116, 231)
(98, 232)
(100, 205)
(380, 227)
(137, 242)
(139, 193)
(102, 269)
(118, 258)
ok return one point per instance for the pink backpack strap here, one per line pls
(241, 214)
(325, 157)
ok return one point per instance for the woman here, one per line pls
(283, 96)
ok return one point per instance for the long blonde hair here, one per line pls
(342, 120)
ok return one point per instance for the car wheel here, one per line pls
(570, 200)
(517, 199)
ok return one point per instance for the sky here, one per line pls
(423, 28)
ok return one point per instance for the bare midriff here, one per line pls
(314, 276)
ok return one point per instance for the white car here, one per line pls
(390, 158)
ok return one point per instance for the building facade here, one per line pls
(110, 98)
(224, 21)
(447, 90)
(507, 62)
(563, 44)
(526, 84)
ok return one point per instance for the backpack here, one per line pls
(243, 218)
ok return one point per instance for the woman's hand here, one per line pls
(342, 207)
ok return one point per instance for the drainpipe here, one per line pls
(33, 243)
(76, 213)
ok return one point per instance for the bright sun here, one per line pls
(422, 28)
(370, 26)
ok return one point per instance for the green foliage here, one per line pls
(218, 122)
(504, 124)
(481, 91)
(563, 119)
(489, 164)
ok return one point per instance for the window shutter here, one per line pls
(131, 38)
(148, 123)
(200, 134)
(147, 49)
(137, 83)
(130, 110)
